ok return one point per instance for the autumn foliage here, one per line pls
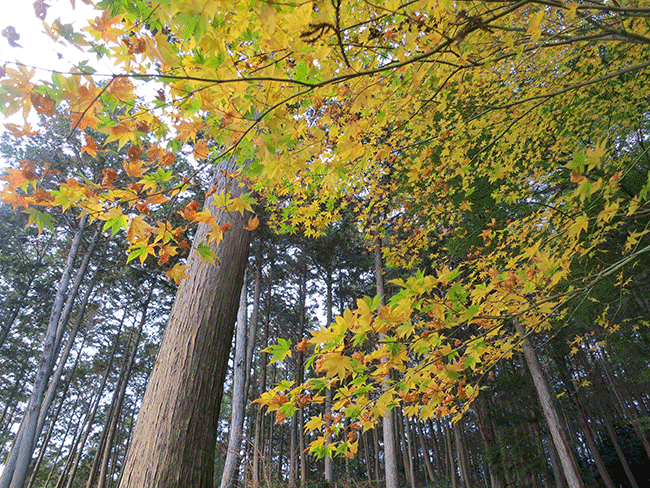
(492, 146)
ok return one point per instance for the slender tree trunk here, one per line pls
(20, 456)
(451, 464)
(329, 462)
(375, 444)
(567, 461)
(238, 396)
(258, 448)
(76, 449)
(55, 417)
(293, 453)
(461, 454)
(602, 469)
(56, 376)
(619, 452)
(174, 439)
(407, 455)
(425, 452)
(624, 407)
(390, 453)
(125, 378)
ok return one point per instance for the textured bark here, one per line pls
(174, 439)
(567, 461)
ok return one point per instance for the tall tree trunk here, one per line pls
(489, 440)
(238, 396)
(174, 438)
(76, 450)
(567, 460)
(407, 455)
(301, 368)
(20, 456)
(619, 451)
(329, 462)
(602, 469)
(56, 376)
(55, 417)
(425, 451)
(390, 453)
(451, 464)
(258, 448)
(124, 378)
(461, 454)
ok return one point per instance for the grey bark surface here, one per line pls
(125, 377)
(76, 450)
(390, 452)
(20, 456)
(56, 376)
(567, 460)
(238, 396)
(258, 447)
(173, 443)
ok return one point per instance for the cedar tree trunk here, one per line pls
(173, 442)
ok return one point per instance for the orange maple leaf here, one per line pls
(201, 149)
(134, 168)
(17, 131)
(90, 148)
(44, 104)
(253, 223)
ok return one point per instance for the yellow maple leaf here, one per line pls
(121, 132)
(138, 228)
(177, 273)
(535, 27)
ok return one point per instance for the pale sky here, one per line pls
(39, 49)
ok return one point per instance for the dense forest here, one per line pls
(328, 243)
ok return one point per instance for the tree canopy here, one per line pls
(496, 147)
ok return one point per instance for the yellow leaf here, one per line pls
(138, 228)
(535, 27)
(578, 226)
(177, 273)
(573, 8)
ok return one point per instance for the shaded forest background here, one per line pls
(115, 313)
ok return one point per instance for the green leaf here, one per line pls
(41, 219)
(117, 223)
(279, 351)
(206, 252)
